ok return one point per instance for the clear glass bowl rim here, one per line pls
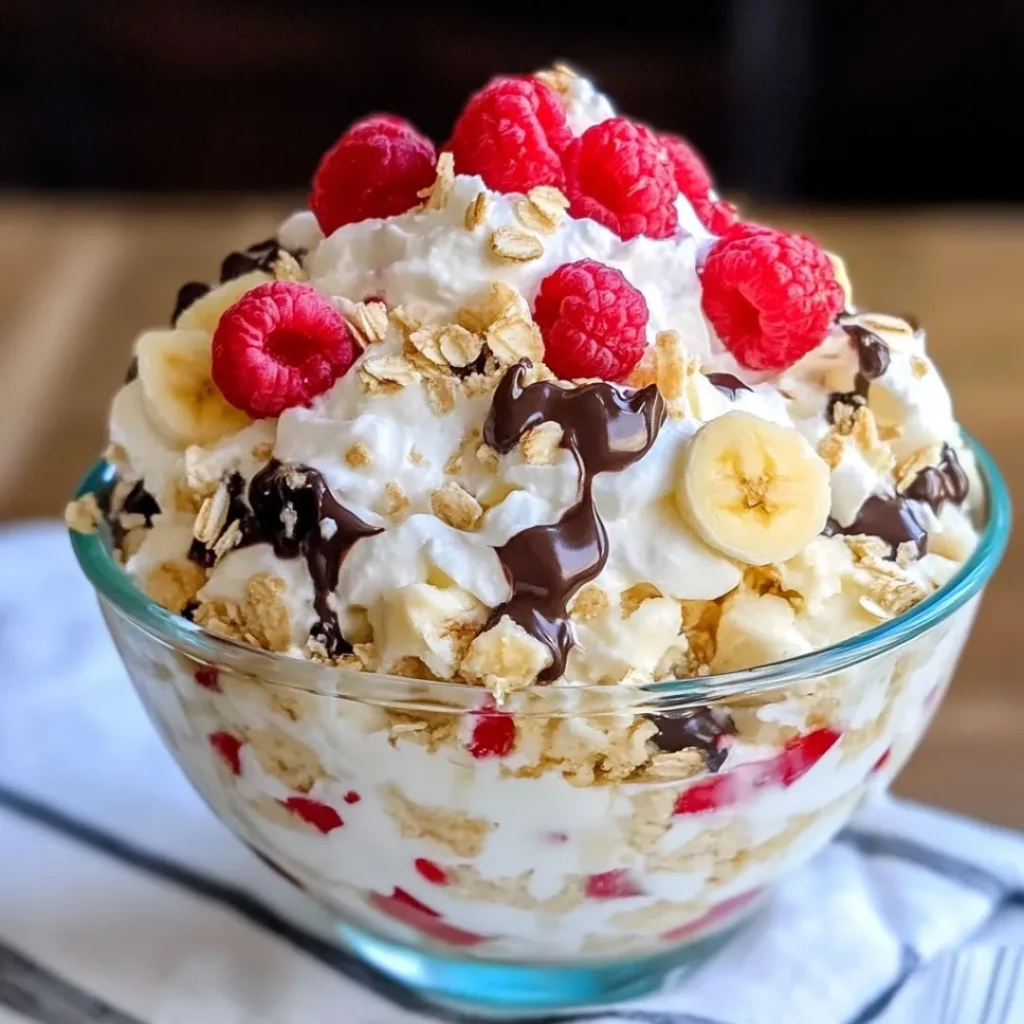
(117, 589)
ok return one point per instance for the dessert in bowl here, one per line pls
(529, 557)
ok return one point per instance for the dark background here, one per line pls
(865, 102)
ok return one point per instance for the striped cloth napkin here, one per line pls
(124, 901)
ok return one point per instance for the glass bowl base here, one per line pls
(476, 990)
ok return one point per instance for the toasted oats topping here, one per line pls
(516, 246)
(397, 500)
(476, 212)
(387, 373)
(866, 548)
(906, 554)
(202, 474)
(831, 448)
(436, 196)
(891, 589)
(212, 515)
(174, 584)
(459, 346)
(441, 394)
(228, 540)
(540, 445)
(359, 456)
(590, 603)
(875, 452)
(455, 506)
(502, 301)
(263, 451)
(83, 515)
(559, 78)
(513, 338)
(488, 457)
(370, 321)
(287, 268)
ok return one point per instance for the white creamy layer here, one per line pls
(429, 263)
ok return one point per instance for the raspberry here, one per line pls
(352, 797)
(493, 736)
(229, 747)
(771, 296)
(320, 816)
(512, 133)
(433, 873)
(694, 181)
(407, 909)
(374, 170)
(882, 761)
(207, 677)
(794, 761)
(618, 174)
(714, 915)
(613, 885)
(280, 345)
(594, 322)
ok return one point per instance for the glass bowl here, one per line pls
(546, 854)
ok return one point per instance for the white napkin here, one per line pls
(124, 901)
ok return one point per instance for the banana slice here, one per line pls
(754, 490)
(174, 368)
(204, 314)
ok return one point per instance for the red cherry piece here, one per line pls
(280, 345)
(320, 816)
(882, 761)
(208, 678)
(613, 885)
(557, 838)
(433, 873)
(619, 174)
(374, 170)
(407, 909)
(228, 746)
(512, 133)
(494, 735)
(771, 296)
(594, 322)
(715, 914)
(352, 797)
(803, 753)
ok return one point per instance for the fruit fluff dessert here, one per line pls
(537, 415)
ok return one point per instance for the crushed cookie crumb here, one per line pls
(441, 394)
(265, 613)
(263, 451)
(416, 457)
(906, 554)
(919, 367)
(287, 268)
(397, 502)
(540, 445)
(516, 246)
(83, 515)
(488, 458)
(359, 456)
(454, 505)
(476, 211)
(908, 469)
(461, 833)
(505, 658)
(672, 368)
(590, 603)
(285, 758)
(831, 448)
(174, 584)
(559, 78)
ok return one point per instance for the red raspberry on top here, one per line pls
(374, 170)
(594, 322)
(618, 174)
(280, 345)
(694, 181)
(512, 133)
(771, 296)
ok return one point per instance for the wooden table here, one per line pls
(79, 280)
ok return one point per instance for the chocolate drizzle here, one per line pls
(889, 517)
(606, 429)
(188, 293)
(872, 360)
(935, 485)
(138, 501)
(259, 256)
(294, 510)
(729, 385)
(697, 728)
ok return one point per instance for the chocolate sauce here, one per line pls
(872, 360)
(238, 512)
(133, 370)
(936, 485)
(187, 294)
(729, 385)
(139, 501)
(291, 506)
(697, 728)
(890, 518)
(606, 429)
(260, 256)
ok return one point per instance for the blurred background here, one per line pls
(882, 101)
(142, 141)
